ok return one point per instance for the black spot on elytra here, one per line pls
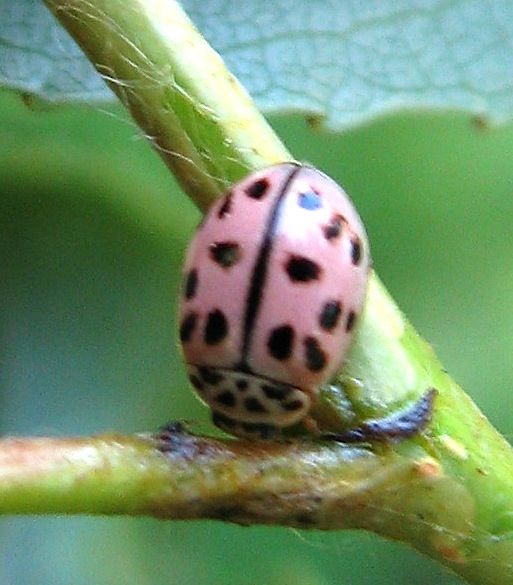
(226, 207)
(254, 405)
(294, 405)
(301, 269)
(310, 200)
(196, 382)
(226, 254)
(210, 376)
(280, 342)
(187, 326)
(260, 271)
(315, 356)
(226, 398)
(333, 228)
(276, 392)
(242, 385)
(257, 189)
(330, 315)
(351, 320)
(356, 251)
(216, 328)
(191, 284)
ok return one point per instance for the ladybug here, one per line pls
(274, 283)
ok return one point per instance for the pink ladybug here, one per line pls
(275, 279)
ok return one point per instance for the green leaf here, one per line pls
(339, 62)
(37, 56)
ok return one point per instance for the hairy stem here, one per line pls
(196, 113)
(448, 492)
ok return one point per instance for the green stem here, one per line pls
(195, 112)
(180, 476)
(447, 492)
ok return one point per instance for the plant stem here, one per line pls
(447, 492)
(195, 112)
(179, 475)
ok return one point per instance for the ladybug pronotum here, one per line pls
(274, 283)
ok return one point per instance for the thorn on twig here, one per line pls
(172, 428)
(400, 425)
(174, 437)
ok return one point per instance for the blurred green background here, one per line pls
(92, 232)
